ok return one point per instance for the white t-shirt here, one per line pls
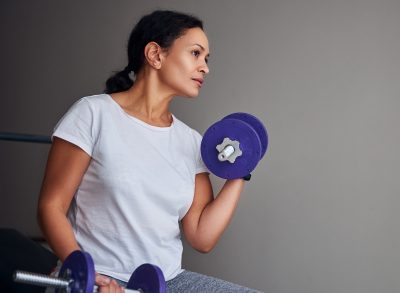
(138, 186)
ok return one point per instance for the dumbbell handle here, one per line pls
(229, 150)
(226, 153)
(40, 280)
(48, 281)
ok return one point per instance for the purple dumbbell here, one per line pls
(232, 147)
(147, 278)
(77, 275)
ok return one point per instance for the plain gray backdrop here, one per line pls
(321, 211)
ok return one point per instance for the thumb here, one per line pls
(102, 280)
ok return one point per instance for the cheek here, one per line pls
(178, 71)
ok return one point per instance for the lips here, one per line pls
(199, 81)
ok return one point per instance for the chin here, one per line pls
(188, 92)
(188, 95)
(193, 94)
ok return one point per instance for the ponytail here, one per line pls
(119, 82)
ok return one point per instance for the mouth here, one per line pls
(199, 81)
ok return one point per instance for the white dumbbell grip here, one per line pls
(226, 152)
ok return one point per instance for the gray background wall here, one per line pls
(321, 212)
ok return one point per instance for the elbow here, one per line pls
(204, 248)
(44, 212)
(201, 241)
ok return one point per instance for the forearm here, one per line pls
(218, 213)
(57, 231)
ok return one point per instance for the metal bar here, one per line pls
(40, 280)
(49, 281)
(25, 137)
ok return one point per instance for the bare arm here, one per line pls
(208, 218)
(65, 168)
(64, 171)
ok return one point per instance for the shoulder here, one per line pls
(99, 100)
(87, 110)
(183, 127)
(90, 105)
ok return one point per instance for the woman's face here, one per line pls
(184, 65)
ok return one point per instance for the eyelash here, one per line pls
(197, 53)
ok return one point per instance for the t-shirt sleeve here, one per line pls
(200, 166)
(76, 126)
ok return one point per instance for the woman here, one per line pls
(123, 171)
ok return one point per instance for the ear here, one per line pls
(153, 54)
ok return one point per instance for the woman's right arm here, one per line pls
(66, 165)
(65, 168)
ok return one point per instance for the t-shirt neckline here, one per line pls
(141, 122)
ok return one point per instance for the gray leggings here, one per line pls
(193, 282)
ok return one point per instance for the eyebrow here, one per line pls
(208, 55)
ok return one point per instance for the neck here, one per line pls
(147, 100)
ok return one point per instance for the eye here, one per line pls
(196, 53)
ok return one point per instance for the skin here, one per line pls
(177, 71)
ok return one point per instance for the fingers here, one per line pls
(107, 285)
(112, 287)
(102, 280)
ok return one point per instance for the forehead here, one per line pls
(192, 37)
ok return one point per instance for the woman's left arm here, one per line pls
(208, 218)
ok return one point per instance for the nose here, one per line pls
(204, 68)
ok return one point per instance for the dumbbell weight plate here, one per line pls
(148, 278)
(79, 266)
(234, 129)
(257, 125)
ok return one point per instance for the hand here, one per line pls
(107, 285)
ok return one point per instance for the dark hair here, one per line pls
(160, 26)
